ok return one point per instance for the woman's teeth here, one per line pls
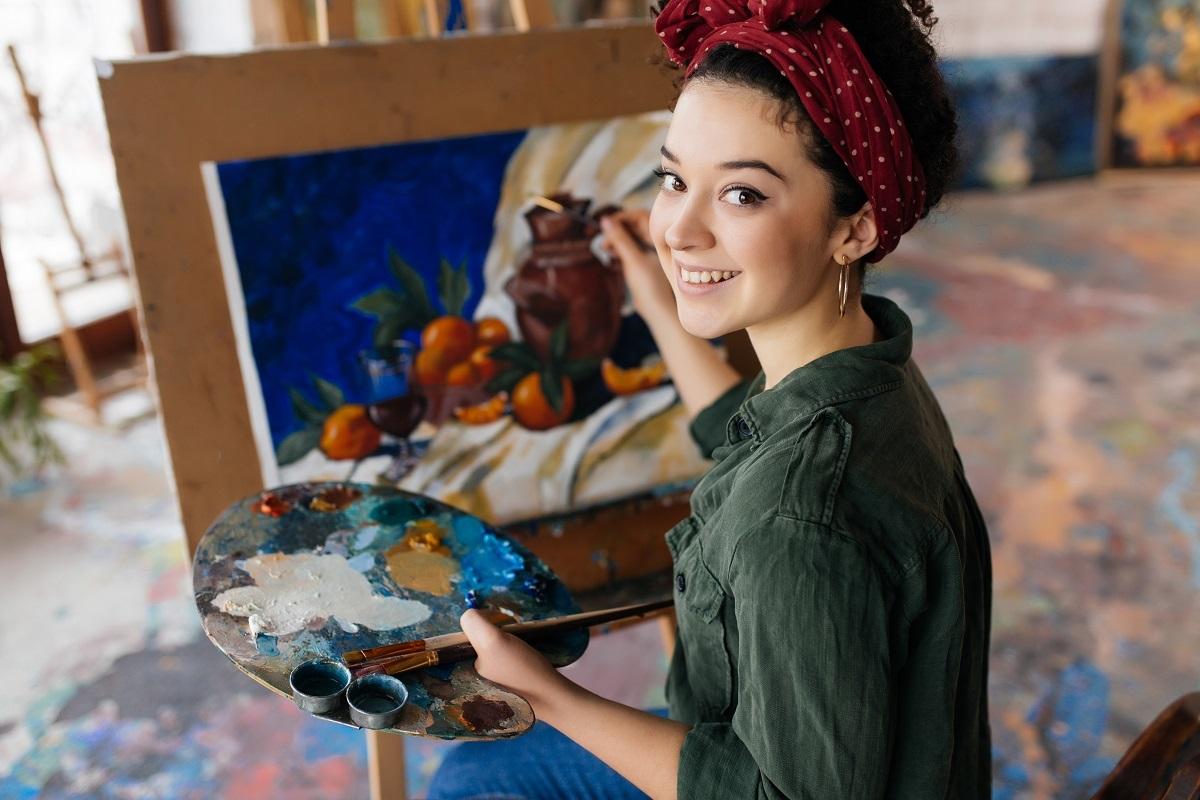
(707, 276)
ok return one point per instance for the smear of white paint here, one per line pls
(293, 590)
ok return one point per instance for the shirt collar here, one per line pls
(841, 375)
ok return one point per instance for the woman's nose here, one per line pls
(689, 230)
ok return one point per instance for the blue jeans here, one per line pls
(540, 765)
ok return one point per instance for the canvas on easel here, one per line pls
(1150, 87)
(406, 314)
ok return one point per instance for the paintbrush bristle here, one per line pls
(548, 204)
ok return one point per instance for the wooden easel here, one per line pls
(84, 271)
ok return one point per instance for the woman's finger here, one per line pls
(619, 238)
(638, 220)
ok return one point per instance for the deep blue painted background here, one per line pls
(1052, 99)
(311, 233)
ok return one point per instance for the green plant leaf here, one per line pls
(329, 393)
(580, 368)
(8, 457)
(305, 411)
(297, 445)
(552, 388)
(518, 353)
(413, 288)
(25, 446)
(382, 302)
(507, 380)
(560, 342)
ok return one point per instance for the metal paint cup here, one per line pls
(375, 700)
(319, 685)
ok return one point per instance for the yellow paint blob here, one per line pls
(420, 561)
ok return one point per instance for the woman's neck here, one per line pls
(783, 345)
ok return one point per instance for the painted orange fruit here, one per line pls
(489, 410)
(453, 336)
(492, 331)
(348, 434)
(462, 374)
(430, 367)
(532, 408)
(481, 358)
(629, 381)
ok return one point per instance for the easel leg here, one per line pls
(666, 627)
(385, 764)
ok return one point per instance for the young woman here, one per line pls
(833, 582)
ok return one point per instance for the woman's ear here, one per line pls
(858, 235)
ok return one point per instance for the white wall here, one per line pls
(972, 28)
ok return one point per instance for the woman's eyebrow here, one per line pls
(752, 164)
(741, 164)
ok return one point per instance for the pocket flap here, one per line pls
(679, 535)
(704, 593)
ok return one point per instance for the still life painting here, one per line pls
(439, 316)
(1157, 119)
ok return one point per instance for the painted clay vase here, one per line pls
(562, 279)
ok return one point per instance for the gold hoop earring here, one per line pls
(843, 284)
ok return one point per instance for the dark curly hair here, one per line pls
(894, 37)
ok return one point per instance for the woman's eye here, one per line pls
(744, 196)
(670, 181)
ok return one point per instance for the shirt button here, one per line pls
(680, 583)
(743, 427)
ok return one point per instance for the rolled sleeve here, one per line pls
(708, 427)
(815, 704)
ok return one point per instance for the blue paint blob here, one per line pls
(398, 512)
(362, 562)
(266, 644)
(365, 537)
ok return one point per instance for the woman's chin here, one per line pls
(704, 326)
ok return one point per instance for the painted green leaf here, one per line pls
(580, 368)
(297, 445)
(388, 331)
(453, 287)
(305, 411)
(507, 380)
(462, 284)
(559, 343)
(329, 393)
(413, 288)
(552, 388)
(518, 353)
(382, 302)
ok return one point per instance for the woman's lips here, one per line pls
(692, 280)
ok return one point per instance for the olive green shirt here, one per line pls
(833, 589)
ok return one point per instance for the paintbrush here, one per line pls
(559, 208)
(394, 659)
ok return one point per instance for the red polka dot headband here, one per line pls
(846, 99)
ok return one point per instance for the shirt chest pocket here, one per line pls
(699, 602)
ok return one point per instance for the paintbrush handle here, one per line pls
(414, 651)
(569, 622)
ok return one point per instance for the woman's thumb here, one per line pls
(477, 628)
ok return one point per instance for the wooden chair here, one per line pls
(1163, 763)
(107, 274)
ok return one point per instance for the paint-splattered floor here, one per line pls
(1061, 329)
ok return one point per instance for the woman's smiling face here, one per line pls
(739, 198)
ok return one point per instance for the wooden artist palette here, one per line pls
(316, 569)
